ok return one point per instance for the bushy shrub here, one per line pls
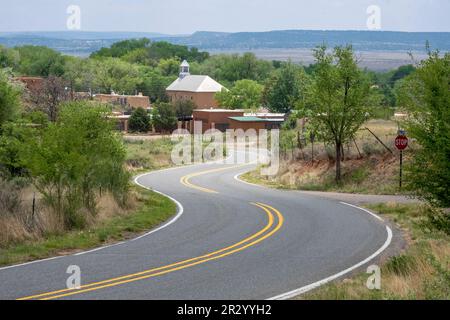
(10, 200)
(401, 265)
(426, 95)
(74, 160)
(439, 220)
(139, 121)
(164, 117)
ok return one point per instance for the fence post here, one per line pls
(34, 206)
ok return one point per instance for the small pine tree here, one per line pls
(139, 121)
(164, 117)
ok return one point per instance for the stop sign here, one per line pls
(401, 142)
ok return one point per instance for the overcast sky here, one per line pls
(183, 17)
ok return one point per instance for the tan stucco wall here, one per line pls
(247, 125)
(132, 101)
(218, 120)
(201, 99)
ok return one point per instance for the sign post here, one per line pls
(312, 138)
(401, 142)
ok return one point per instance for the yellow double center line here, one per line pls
(186, 179)
(253, 240)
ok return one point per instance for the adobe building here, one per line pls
(215, 118)
(120, 120)
(199, 89)
(223, 119)
(125, 101)
(257, 123)
(32, 83)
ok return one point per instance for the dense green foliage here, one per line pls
(140, 65)
(246, 94)
(426, 95)
(164, 117)
(139, 121)
(143, 50)
(70, 161)
(285, 89)
(40, 61)
(228, 69)
(184, 108)
(339, 97)
(9, 58)
(76, 158)
(14, 136)
(9, 99)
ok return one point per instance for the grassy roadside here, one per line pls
(150, 155)
(147, 155)
(152, 210)
(421, 272)
(367, 168)
(363, 178)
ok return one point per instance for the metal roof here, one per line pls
(248, 119)
(195, 84)
(220, 110)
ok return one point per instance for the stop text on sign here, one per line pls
(401, 142)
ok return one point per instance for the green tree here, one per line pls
(154, 85)
(169, 67)
(339, 98)
(147, 52)
(49, 98)
(184, 108)
(15, 135)
(122, 48)
(139, 56)
(9, 58)
(246, 94)
(75, 159)
(230, 68)
(40, 61)
(285, 89)
(139, 121)
(9, 99)
(113, 74)
(426, 96)
(163, 117)
(400, 73)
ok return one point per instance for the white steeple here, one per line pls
(184, 69)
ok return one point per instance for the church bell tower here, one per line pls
(184, 69)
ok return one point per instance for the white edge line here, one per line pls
(296, 292)
(31, 262)
(179, 205)
(238, 178)
(179, 214)
(365, 210)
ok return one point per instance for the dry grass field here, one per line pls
(368, 166)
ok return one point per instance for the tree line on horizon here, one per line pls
(140, 65)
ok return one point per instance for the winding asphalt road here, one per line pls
(230, 240)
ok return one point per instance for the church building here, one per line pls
(199, 89)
